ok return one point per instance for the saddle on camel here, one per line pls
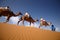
(5, 11)
(4, 8)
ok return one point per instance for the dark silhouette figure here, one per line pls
(53, 28)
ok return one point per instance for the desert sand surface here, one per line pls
(15, 32)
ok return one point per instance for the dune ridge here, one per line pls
(14, 32)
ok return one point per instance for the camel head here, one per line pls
(36, 20)
(19, 13)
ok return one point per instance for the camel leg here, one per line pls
(30, 23)
(0, 15)
(7, 19)
(39, 26)
(23, 22)
(33, 24)
(19, 21)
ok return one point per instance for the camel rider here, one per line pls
(42, 20)
(27, 15)
(5, 8)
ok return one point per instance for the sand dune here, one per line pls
(14, 32)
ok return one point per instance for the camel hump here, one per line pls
(5, 8)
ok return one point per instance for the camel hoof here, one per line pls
(39, 26)
(17, 24)
(4, 22)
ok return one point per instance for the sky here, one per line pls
(47, 9)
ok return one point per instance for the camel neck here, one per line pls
(16, 14)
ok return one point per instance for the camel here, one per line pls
(28, 19)
(8, 14)
(44, 23)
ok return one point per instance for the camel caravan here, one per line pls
(6, 11)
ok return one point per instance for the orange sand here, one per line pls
(14, 32)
